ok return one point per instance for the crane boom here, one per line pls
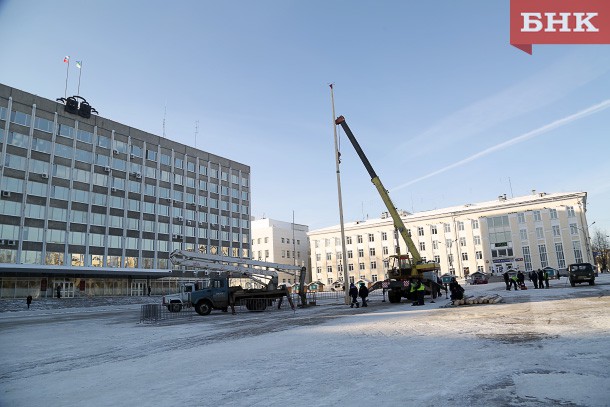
(398, 223)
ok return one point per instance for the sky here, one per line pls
(447, 111)
(535, 348)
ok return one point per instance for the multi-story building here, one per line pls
(96, 207)
(281, 242)
(527, 232)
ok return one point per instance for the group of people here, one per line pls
(540, 279)
(355, 292)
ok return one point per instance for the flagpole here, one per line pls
(340, 199)
(80, 71)
(67, 72)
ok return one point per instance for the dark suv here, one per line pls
(580, 273)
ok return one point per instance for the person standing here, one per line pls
(506, 280)
(353, 292)
(421, 291)
(29, 301)
(534, 278)
(363, 293)
(58, 289)
(546, 279)
(540, 278)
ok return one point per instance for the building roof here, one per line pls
(503, 202)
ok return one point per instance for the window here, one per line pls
(573, 229)
(372, 252)
(460, 225)
(328, 256)
(433, 230)
(537, 217)
(556, 231)
(464, 256)
(360, 239)
(360, 252)
(561, 261)
(373, 265)
(329, 269)
(361, 266)
(543, 257)
(348, 240)
(540, 233)
(553, 213)
(478, 255)
(521, 217)
(447, 227)
(318, 257)
(462, 241)
(371, 237)
(474, 223)
(523, 234)
(384, 250)
(571, 213)
(527, 257)
(420, 231)
(350, 254)
(577, 251)
(435, 244)
(384, 236)
(476, 240)
(422, 246)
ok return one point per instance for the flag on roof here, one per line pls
(79, 64)
(67, 59)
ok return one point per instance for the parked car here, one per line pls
(581, 273)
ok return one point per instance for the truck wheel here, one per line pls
(203, 308)
(393, 297)
(174, 307)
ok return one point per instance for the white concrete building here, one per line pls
(527, 232)
(280, 242)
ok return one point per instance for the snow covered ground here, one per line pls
(536, 348)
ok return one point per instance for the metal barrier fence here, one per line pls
(154, 313)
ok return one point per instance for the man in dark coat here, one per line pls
(534, 278)
(521, 279)
(540, 279)
(353, 292)
(363, 292)
(457, 292)
(506, 280)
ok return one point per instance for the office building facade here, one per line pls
(525, 233)
(96, 207)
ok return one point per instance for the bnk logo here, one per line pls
(559, 22)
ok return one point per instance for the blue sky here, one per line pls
(447, 111)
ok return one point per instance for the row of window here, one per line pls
(46, 169)
(95, 260)
(62, 214)
(61, 236)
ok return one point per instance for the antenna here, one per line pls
(164, 115)
(196, 131)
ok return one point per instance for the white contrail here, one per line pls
(541, 130)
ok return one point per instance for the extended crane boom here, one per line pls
(414, 267)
